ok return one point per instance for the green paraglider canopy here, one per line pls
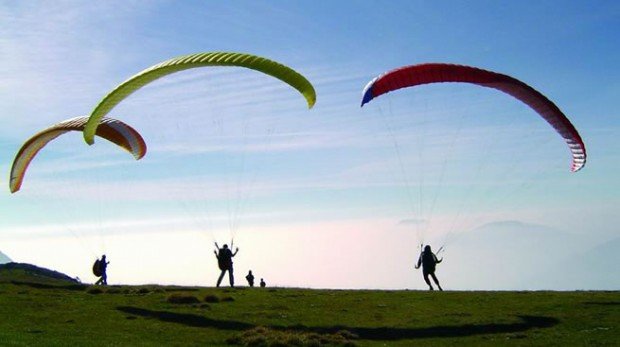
(123, 90)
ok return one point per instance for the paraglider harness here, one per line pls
(97, 268)
(224, 263)
(423, 259)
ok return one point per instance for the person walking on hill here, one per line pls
(224, 261)
(262, 283)
(103, 268)
(428, 261)
(250, 278)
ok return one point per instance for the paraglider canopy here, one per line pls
(110, 129)
(266, 66)
(415, 75)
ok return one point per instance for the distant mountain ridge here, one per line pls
(36, 272)
(513, 255)
(593, 269)
(4, 258)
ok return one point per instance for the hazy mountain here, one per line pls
(596, 268)
(4, 259)
(32, 272)
(509, 255)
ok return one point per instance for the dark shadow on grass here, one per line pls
(36, 285)
(192, 320)
(382, 333)
(527, 323)
(602, 303)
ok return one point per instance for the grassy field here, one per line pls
(36, 310)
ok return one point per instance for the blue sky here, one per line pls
(236, 153)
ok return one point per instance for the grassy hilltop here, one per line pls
(37, 309)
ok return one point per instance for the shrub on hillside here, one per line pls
(143, 290)
(262, 336)
(94, 290)
(182, 298)
(212, 298)
(114, 290)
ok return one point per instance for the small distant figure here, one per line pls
(428, 261)
(224, 261)
(262, 283)
(250, 278)
(100, 269)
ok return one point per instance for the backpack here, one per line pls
(428, 261)
(97, 268)
(221, 264)
(224, 259)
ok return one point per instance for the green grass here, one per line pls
(42, 311)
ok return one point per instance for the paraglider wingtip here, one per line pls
(141, 154)
(311, 99)
(367, 94)
(14, 184)
(577, 167)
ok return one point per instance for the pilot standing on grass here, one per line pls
(103, 268)
(428, 261)
(224, 261)
(250, 278)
